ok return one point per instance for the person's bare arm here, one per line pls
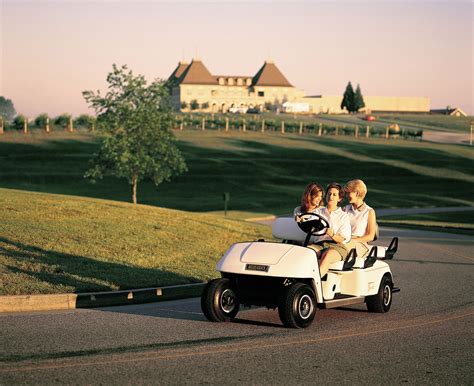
(371, 229)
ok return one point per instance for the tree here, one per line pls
(19, 122)
(348, 98)
(194, 105)
(358, 99)
(40, 120)
(7, 110)
(184, 105)
(136, 120)
(84, 120)
(205, 105)
(62, 120)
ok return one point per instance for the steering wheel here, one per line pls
(312, 223)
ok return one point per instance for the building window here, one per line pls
(213, 92)
(239, 82)
(230, 81)
(261, 93)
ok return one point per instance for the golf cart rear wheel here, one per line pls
(297, 306)
(219, 301)
(382, 301)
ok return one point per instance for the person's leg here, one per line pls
(329, 256)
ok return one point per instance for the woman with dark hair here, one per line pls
(334, 244)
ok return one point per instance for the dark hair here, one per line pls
(309, 193)
(335, 185)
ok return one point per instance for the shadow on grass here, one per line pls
(55, 270)
(260, 177)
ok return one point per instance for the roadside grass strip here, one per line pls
(59, 244)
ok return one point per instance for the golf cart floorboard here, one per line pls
(342, 301)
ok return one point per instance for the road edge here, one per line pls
(27, 303)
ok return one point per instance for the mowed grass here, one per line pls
(459, 222)
(55, 244)
(430, 121)
(264, 173)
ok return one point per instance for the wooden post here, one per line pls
(301, 128)
(1, 125)
(283, 127)
(472, 129)
(203, 124)
(70, 125)
(263, 125)
(25, 125)
(320, 131)
(226, 123)
(337, 131)
(244, 127)
(181, 125)
(387, 133)
(46, 127)
(367, 133)
(356, 133)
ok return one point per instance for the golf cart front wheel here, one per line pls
(382, 301)
(219, 301)
(297, 306)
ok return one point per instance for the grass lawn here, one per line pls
(457, 222)
(56, 244)
(430, 121)
(264, 173)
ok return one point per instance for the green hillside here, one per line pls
(264, 173)
(56, 244)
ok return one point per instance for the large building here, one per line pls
(192, 85)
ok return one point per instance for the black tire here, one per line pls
(219, 301)
(382, 301)
(297, 307)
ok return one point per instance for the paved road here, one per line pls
(425, 338)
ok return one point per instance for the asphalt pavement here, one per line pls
(425, 338)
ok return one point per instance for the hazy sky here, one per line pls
(51, 51)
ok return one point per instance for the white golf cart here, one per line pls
(286, 276)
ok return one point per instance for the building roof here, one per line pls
(196, 73)
(179, 70)
(270, 75)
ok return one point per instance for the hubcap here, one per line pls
(228, 300)
(305, 307)
(387, 295)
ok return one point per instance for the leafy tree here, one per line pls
(84, 120)
(136, 120)
(348, 98)
(194, 104)
(62, 120)
(7, 110)
(19, 122)
(40, 120)
(205, 105)
(184, 105)
(358, 99)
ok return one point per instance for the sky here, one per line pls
(51, 51)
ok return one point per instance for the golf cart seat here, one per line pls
(377, 252)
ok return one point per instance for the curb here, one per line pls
(26, 303)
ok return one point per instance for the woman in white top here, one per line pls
(338, 236)
(361, 216)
